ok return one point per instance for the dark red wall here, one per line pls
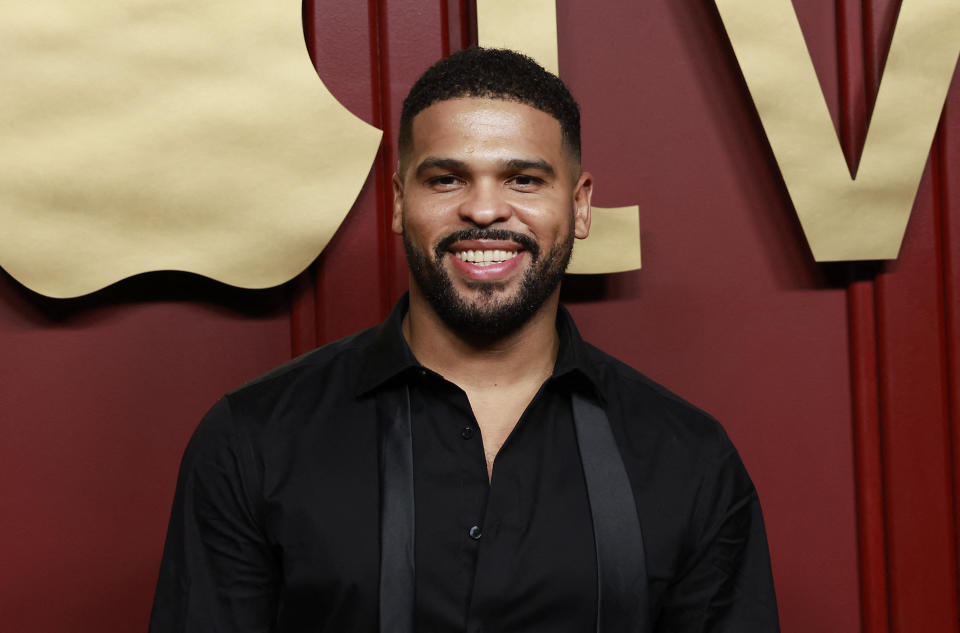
(98, 397)
(840, 383)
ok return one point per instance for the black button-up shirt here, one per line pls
(275, 524)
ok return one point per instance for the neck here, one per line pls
(526, 355)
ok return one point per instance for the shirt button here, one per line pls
(476, 532)
(467, 432)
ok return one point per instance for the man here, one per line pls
(471, 464)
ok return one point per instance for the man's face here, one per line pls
(488, 204)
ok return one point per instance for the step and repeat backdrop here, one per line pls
(192, 193)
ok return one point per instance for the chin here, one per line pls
(484, 311)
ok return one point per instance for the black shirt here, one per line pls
(275, 524)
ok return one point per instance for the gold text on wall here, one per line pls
(846, 218)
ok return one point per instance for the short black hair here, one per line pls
(494, 73)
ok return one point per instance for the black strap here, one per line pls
(622, 602)
(397, 572)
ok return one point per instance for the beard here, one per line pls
(490, 316)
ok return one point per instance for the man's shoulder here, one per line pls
(280, 405)
(332, 368)
(645, 409)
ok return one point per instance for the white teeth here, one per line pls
(484, 258)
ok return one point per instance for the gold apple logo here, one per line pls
(164, 134)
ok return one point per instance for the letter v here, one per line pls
(848, 218)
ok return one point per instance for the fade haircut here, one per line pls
(491, 73)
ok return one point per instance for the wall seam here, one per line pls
(864, 353)
(942, 191)
(380, 69)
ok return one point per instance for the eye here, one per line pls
(446, 181)
(525, 181)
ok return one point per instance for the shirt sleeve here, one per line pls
(218, 573)
(727, 584)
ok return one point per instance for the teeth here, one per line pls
(484, 258)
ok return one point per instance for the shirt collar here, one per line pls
(574, 358)
(389, 357)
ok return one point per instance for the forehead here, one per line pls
(473, 126)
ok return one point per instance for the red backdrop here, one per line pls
(840, 383)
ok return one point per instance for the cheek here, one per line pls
(548, 219)
(426, 220)
(420, 234)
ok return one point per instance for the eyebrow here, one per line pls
(520, 164)
(454, 165)
(447, 164)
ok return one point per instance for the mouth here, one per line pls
(486, 260)
(485, 257)
(483, 246)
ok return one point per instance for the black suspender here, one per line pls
(622, 602)
(623, 605)
(397, 572)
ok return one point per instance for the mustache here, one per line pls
(525, 241)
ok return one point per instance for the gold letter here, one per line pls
(530, 26)
(843, 218)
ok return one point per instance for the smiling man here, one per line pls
(471, 464)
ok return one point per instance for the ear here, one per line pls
(582, 194)
(397, 223)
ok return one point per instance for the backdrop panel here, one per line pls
(838, 382)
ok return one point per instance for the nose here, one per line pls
(484, 205)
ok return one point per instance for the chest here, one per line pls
(496, 414)
(515, 549)
(515, 553)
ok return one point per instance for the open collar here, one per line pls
(389, 359)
